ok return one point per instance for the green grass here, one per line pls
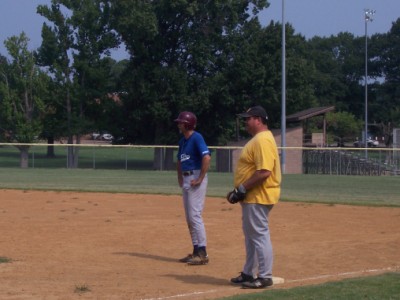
(4, 260)
(89, 158)
(82, 289)
(90, 180)
(380, 287)
(357, 190)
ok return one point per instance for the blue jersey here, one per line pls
(191, 152)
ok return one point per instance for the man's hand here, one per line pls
(196, 182)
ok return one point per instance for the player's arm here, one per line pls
(262, 169)
(256, 179)
(205, 165)
(179, 172)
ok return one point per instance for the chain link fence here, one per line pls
(330, 161)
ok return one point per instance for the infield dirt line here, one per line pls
(186, 295)
(345, 274)
(280, 282)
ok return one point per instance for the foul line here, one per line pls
(345, 274)
(185, 295)
(286, 281)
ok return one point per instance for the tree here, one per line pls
(254, 70)
(178, 55)
(339, 62)
(388, 93)
(22, 88)
(73, 49)
(343, 126)
(299, 71)
(54, 53)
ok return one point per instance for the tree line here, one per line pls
(210, 57)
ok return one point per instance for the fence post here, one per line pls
(126, 159)
(94, 157)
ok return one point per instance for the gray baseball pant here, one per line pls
(193, 202)
(259, 254)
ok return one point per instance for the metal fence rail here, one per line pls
(351, 162)
(332, 161)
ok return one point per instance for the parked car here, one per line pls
(370, 143)
(107, 137)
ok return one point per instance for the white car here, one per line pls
(370, 143)
(107, 137)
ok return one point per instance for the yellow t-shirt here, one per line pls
(260, 153)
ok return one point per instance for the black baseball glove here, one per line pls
(238, 194)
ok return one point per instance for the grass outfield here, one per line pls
(356, 190)
(384, 286)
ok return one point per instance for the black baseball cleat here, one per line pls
(242, 278)
(258, 283)
(200, 259)
(187, 258)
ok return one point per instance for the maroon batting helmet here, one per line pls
(188, 118)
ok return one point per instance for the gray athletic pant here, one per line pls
(259, 255)
(193, 203)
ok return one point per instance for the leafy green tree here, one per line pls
(177, 59)
(92, 63)
(22, 87)
(339, 62)
(299, 71)
(54, 125)
(340, 77)
(54, 54)
(74, 48)
(343, 127)
(252, 73)
(386, 110)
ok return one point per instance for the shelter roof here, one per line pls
(309, 113)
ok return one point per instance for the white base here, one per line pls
(278, 280)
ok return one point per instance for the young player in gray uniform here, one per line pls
(193, 161)
(257, 181)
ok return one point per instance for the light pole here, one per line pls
(368, 15)
(283, 118)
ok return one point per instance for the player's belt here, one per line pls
(187, 173)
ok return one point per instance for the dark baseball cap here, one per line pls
(255, 111)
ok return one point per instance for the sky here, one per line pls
(308, 17)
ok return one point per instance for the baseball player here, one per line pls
(193, 161)
(257, 180)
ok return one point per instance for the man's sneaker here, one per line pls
(200, 259)
(187, 258)
(242, 278)
(258, 283)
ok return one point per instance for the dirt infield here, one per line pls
(66, 245)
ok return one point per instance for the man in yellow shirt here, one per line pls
(257, 180)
